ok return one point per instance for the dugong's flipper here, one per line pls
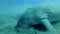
(48, 25)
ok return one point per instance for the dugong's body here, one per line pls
(38, 15)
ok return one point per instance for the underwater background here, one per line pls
(10, 11)
(13, 7)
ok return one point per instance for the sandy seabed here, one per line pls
(7, 27)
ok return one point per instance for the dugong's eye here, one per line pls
(46, 10)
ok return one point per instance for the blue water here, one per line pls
(13, 7)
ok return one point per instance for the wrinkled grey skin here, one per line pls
(34, 16)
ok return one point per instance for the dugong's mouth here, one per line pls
(39, 27)
(45, 25)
